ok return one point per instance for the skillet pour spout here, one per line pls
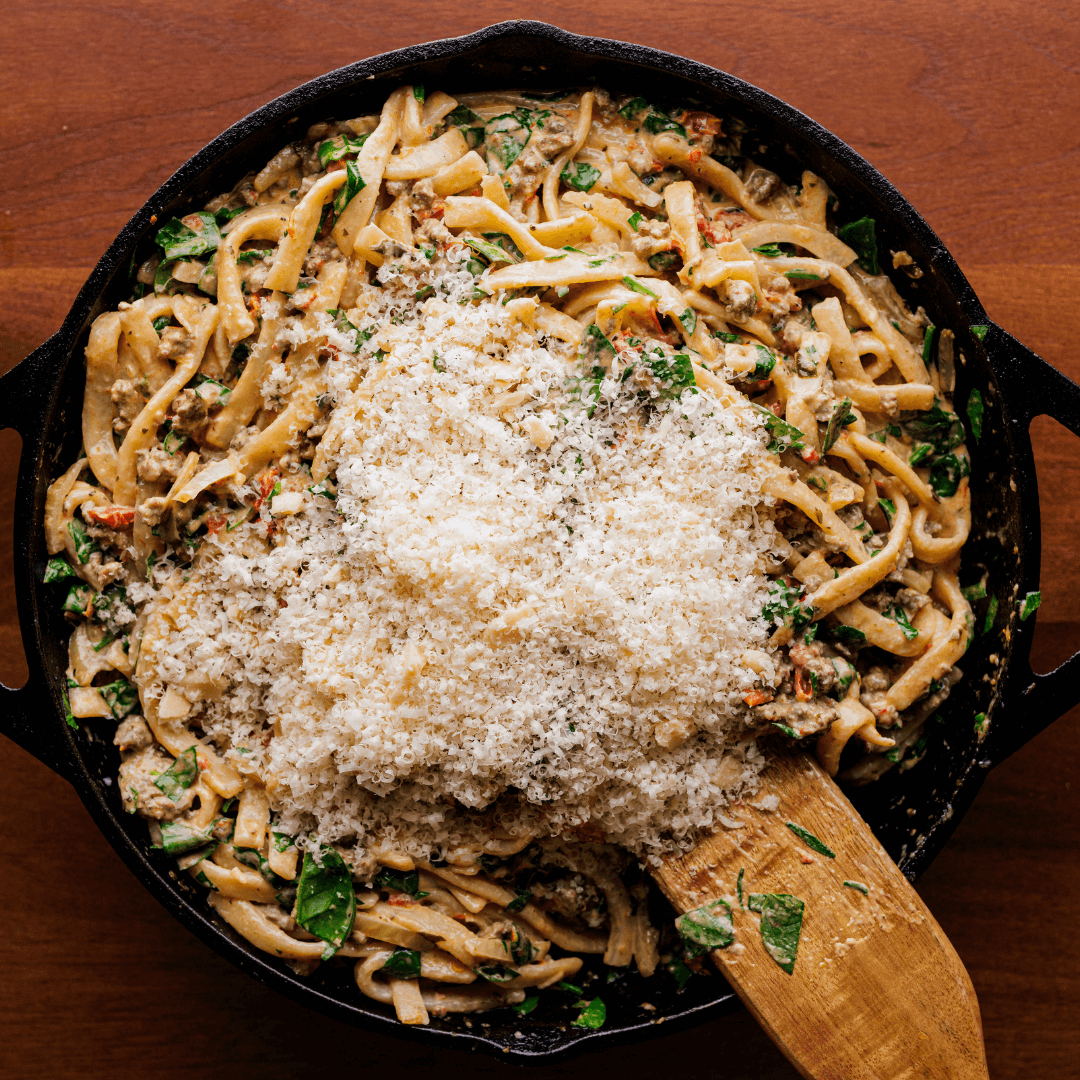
(41, 399)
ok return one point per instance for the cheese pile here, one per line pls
(508, 600)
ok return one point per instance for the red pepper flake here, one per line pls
(806, 857)
(756, 697)
(803, 691)
(215, 523)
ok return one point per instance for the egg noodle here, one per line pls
(462, 497)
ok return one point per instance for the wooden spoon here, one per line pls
(877, 990)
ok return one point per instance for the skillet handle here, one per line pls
(28, 714)
(1032, 388)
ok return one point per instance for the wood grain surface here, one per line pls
(968, 106)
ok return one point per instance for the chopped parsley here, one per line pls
(802, 275)
(784, 606)
(636, 286)
(811, 840)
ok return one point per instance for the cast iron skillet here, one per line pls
(41, 399)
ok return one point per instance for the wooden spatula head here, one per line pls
(877, 992)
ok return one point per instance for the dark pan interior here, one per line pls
(912, 811)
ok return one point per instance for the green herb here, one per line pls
(404, 963)
(177, 838)
(240, 354)
(946, 474)
(78, 599)
(354, 184)
(160, 323)
(496, 973)
(224, 216)
(180, 241)
(689, 320)
(597, 340)
(253, 256)
(633, 107)
(84, 546)
(105, 642)
(424, 293)
(592, 1016)
(519, 947)
(841, 417)
(322, 488)
(677, 370)
(636, 286)
(634, 220)
(508, 134)
(980, 331)
(878, 436)
(811, 633)
(281, 841)
(522, 898)
(849, 634)
(325, 902)
(980, 723)
(784, 435)
(738, 886)
(900, 617)
(858, 886)
(790, 732)
(928, 342)
(781, 925)
(919, 453)
(1029, 605)
(680, 972)
(860, 236)
(731, 339)
(663, 260)
(975, 413)
(491, 252)
(121, 697)
(770, 251)
(991, 614)
(974, 592)
(569, 987)
(418, 92)
(172, 442)
(471, 125)
(57, 569)
(223, 390)
(706, 927)
(523, 1008)
(811, 840)
(579, 175)
(802, 275)
(331, 150)
(783, 606)
(179, 776)
(889, 508)
(403, 882)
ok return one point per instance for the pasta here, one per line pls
(547, 333)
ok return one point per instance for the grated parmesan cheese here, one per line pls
(515, 615)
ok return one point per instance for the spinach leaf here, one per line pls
(919, 453)
(523, 1008)
(331, 150)
(403, 963)
(888, 507)
(802, 275)
(496, 973)
(325, 901)
(592, 1016)
(180, 241)
(491, 252)
(419, 92)
(858, 886)
(732, 339)
(677, 370)
(179, 776)
(811, 840)
(403, 882)
(781, 925)
(862, 239)
(354, 184)
(633, 107)
(991, 614)
(784, 608)
(841, 417)
(508, 134)
(680, 972)
(634, 220)
(1029, 605)
(78, 599)
(224, 216)
(706, 927)
(946, 474)
(177, 838)
(900, 617)
(765, 363)
(770, 251)
(597, 340)
(942, 430)
(84, 546)
(980, 331)
(57, 569)
(849, 634)
(253, 256)
(519, 947)
(689, 320)
(519, 901)
(928, 342)
(471, 125)
(738, 886)
(579, 175)
(162, 321)
(975, 413)
(974, 592)
(790, 732)
(784, 435)
(663, 260)
(121, 697)
(636, 286)
(569, 987)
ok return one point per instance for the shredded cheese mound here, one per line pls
(526, 597)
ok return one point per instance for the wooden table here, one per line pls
(968, 107)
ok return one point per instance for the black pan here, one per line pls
(913, 812)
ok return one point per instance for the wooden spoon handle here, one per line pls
(877, 990)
